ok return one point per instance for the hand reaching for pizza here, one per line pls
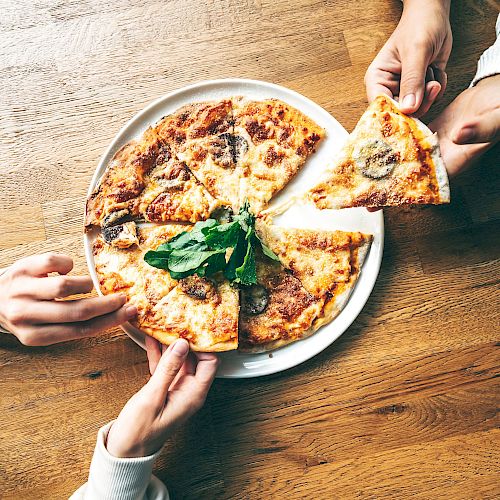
(412, 62)
(177, 389)
(470, 125)
(30, 309)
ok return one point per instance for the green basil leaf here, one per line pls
(157, 259)
(189, 260)
(246, 274)
(236, 259)
(215, 264)
(223, 236)
(268, 252)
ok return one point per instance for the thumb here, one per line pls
(485, 129)
(412, 86)
(168, 367)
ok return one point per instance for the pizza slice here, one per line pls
(306, 290)
(319, 259)
(276, 311)
(389, 159)
(144, 180)
(273, 142)
(202, 136)
(203, 311)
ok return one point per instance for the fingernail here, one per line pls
(465, 134)
(181, 347)
(131, 312)
(123, 298)
(409, 101)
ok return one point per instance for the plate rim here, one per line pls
(116, 143)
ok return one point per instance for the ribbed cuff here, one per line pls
(489, 62)
(112, 478)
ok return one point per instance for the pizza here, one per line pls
(308, 287)
(389, 159)
(203, 156)
(200, 165)
(202, 311)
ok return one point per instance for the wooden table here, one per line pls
(403, 405)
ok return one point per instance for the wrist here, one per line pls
(121, 447)
(440, 5)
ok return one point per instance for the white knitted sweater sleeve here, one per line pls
(489, 62)
(112, 478)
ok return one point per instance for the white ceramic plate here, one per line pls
(237, 364)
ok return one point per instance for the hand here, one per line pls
(470, 125)
(412, 62)
(177, 389)
(30, 310)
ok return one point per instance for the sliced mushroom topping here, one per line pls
(254, 299)
(199, 288)
(375, 158)
(228, 148)
(114, 217)
(222, 214)
(121, 235)
(173, 178)
(240, 147)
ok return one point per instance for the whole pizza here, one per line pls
(185, 235)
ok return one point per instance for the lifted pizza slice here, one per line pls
(389, 159)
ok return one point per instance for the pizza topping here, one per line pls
(254, 299)
(114, 217)
(203, 250)
(121, 235)
(227, 149)
(221, 150)
(273, 157)
(174, 178)
(375, 158)
(199, 288)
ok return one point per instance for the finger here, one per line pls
(168, 367)
(413, 71)
(61, 332)
(153, 351)
(57, 287)
(441, 77)
(206, 369)
(376, 84)
(70, 311)
(485, 128)
(41, 265)
(188, 368)
(432, 90)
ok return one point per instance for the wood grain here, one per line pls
(403, 405)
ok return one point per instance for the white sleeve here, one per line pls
(112, 478)
(489, 62)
